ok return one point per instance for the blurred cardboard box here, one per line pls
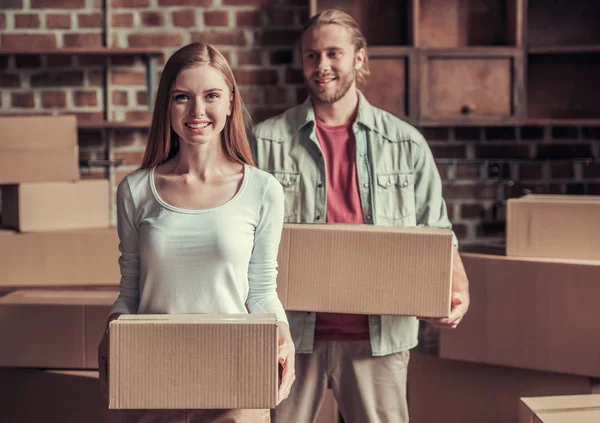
(531, 313)
(559, 226)
(560, 409)
(451, 391)
(28, 395)
(53, 329)
(365, 269)
(44, 206)
(38, 149)
(193, 361)
(84, 257)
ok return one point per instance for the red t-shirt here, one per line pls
(343, 206)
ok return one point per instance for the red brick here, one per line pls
(82, 40)
(58, 21)
(471, 191)
(562, 170)
(591, 170)
(564, 132)
(220, 38)
(96, 78)
(12, 4)
(279, 37)
(249, 19)
(22, 100)
(58, 61)
(532, 133)
(28, 61)
(9, 80)
(436, 133)
(184, 18)
(89, 139)
(281, 17)
(137, 115)
(167, 39)
(89, 116)
(124, 137)
(33, 41)
(89, 20)
(467, 133)
(467, 171)
(282, 57)
(92, 60)
(152, 19)
(85, 98)
(197, 3)
(57, 4)
(501, 133)
(57, 79)
(127, 77)
(294, 76)
(448, 151)
(276, 95)
(52, 99)
(460, 230)
(561, 151)
(259, 115)
(141, 98)
(255, 77)
(491, 229)
(130, 3)
(503, 151)
(119, 98)
(472, 211)
(251, 95)
(27, 20)
(531, 171)
(131, 158)
(301, 94)
(252, 57)
(216, 18)
(247, 2)
(443, 170)
(122, 20)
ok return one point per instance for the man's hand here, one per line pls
(286, 356)
(460, 296)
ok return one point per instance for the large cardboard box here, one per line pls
(42, 206)
(366, 269)
(560, 226)
(531, 313)
(457, 392)
(193, 361)
(85, 257)
(560, 409)
(38, 149)
(53, 396)
(53, 329)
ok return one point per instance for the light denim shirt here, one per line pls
(398, 182)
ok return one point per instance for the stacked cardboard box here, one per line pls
(534, 309)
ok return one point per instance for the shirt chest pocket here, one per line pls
(290, 181)
(395, 195)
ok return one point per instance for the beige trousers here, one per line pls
(196, 416)
(368, 389)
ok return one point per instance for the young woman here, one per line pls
(199, 225)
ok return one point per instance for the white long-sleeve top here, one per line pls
(218, 260)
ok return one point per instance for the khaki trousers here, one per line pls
(196, 416)
(368, 389)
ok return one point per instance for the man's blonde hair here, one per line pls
(337, 17)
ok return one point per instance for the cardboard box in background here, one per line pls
(38, 149)
(193, 361)
(365, 269)
(84, 257)
(329, 412)
(43, 206)
(28, 396)
(450, 391)
(538, 314)
(559, 409)
(53, 329)
(559, 226)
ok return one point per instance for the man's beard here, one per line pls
(345, 82)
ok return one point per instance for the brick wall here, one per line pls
(257, 37)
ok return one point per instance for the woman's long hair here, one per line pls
(163, 142)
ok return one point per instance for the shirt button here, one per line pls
(368, 217)
(366, 185)
(320, 185)
(318, 217)
(388, 183)
(405, 183)
(362, 154)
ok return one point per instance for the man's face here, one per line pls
(330, 62)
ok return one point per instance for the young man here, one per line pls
(342, 160)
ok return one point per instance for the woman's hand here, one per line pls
(286, 356)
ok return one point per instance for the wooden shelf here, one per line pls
(513, 122)
(471, 51)
(113, 125)
(591, 48)
(108, 51)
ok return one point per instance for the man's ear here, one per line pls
(359, 58)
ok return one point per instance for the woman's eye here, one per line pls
(181, 97)
(212, 96)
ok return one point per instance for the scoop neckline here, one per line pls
(195, 211)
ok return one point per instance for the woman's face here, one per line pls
(200, 105)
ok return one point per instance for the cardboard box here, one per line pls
(329, 412)
(193, 361)
(531, 313)
(53, 329)
(457, 392)
(559, 226)
(38, 149)
(366, 269)
(43, 206)
(52, 396)
(559, 409)
(86, 257)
